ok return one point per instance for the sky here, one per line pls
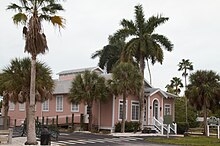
(193, 27)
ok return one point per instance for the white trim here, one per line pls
(21, 106)
(59, 110)
(148, 111)
(48, 105)
(121, 100)
(113, 111)
(107, 128)
(72, 107)
(159, 90)
(138, 103)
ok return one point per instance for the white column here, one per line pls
(207, 130)
(113, 112)
(218, 131)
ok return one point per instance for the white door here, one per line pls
(156, 109)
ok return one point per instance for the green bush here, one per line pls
(129, 126)
(182, 127)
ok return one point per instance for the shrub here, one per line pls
(182, 127)
(129, 126)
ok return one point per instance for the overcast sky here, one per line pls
(193, 28)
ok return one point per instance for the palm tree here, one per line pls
(185, 66)
(110, 55)
(16, 79)
(32, 13)
(144, 43)
(176, 83)
(126, 80)
(170, 89)
(88, 87)
(202, 91)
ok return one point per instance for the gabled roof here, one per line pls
(75, 71)
(62, 86)
(152, 91)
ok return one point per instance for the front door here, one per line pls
(155, 109)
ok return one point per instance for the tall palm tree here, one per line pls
(185, 66)
(170, 89)
(176, 83)
(32, 13)
(144, 44)
(126, 80)
(110, 55)
(88, 87)
(203, 90)
(16, 79)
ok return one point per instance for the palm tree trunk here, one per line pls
(123, 113)
(141, 98)
(205, 119)
(5, 111)
(31, 136)
(90, 116)
(148, 66)
(186, 101)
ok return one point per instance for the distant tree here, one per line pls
(144, 43)
(203, 91)
(177, 84)
(126, 81)
(170, 89)
(31, 13)
(88, 87)
(185, 66)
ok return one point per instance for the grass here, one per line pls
(187, 141)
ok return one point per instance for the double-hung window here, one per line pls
(167, 109)
(45, 105)
(74, 107)
(11, 106)
(135, 110)
(21, 106)
(121, 110)
(59, 103)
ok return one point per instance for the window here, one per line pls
(135, 110)
(121, 110)
(59, 103)
(167, 109)
(11, 106)
(45, 105)
(21, 106)
(74, 107)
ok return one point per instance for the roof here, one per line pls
(152, 91)
(75, 71)
(62, 86)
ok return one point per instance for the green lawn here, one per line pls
(187, 141)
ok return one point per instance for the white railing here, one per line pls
(158, 125)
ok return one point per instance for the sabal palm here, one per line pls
(203, 90)
(31, 13)
(176, 83)
(126, 80)
(144, 44)
(88, 87)
(185, 66)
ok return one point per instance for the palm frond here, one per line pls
(58, 21)
(20, 18)
(164, 41)
(14, 7)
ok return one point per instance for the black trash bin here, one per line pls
(45, 136)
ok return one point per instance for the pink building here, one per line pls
(159, 106)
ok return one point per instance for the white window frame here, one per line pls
(121, 103)
(45, 106)
(74, 106)
(11, 106)
(165, 113)
(59, 108)
(136, 104)
(21, 106)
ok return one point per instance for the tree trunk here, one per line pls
(123, 113)
(31, 136)
(148, 66)
(205, 119)
(141, 98)
(186, 101)
(90, 116)
(5, 107)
